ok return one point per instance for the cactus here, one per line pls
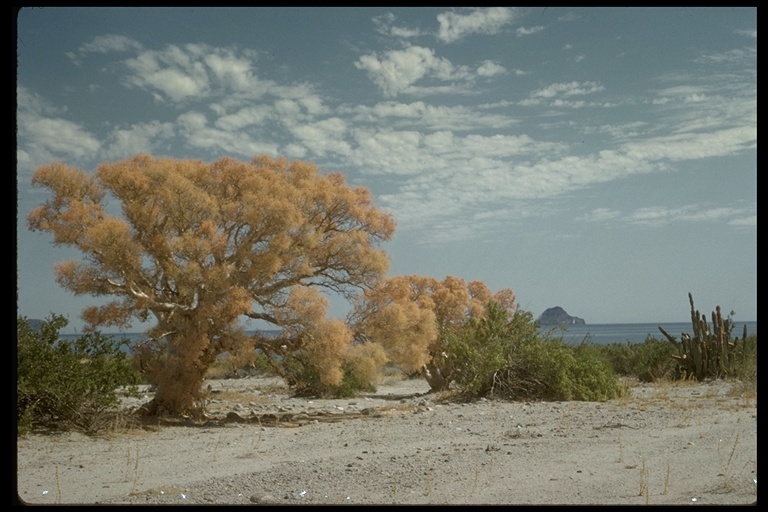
(709, 353)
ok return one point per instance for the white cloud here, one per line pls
(526, 31)
(556, 93)
(232, 71)
(140, 138)
(568, 89)
(396, 71)
(657, 216)
(452, 175)
(601, 214)
(192, 71)
(171, 72)
(56, 136)
(737, 56)
(110, 43)
(490, 68)
(387, 151)
(661, 215)
(384, 24)
(193, 128)
(431, 117)
(747, 33)
(247, 116)
(747, 222)
(44, 136)
(323, 136)
(105, 44)
(455, 26)
(694, 145)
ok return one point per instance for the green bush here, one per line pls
(481, 348)
(746, 362)
(304, 378)
(508, 356)
(649, 361)
(67, 385)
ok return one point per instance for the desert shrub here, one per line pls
(365, 362)
(649, 361)
(508, 357)
(745, 360)
(358, 374)
(592, 377)
(64, 384)
(485, 345)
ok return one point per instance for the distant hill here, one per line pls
(558, 316)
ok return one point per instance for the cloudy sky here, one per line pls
(598, 159)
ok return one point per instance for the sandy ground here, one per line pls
(666, 444)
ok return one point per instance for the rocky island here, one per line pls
(558, 316)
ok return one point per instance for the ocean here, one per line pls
(597, 334)
(604, 334)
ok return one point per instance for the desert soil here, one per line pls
(664, 444)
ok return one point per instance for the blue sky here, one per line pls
(599, 159)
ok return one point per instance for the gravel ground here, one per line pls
(665, 444)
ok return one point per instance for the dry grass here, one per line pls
(743, 389)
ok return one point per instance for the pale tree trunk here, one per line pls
(438, 376)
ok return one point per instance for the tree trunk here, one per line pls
(439, 377)
(180, 379)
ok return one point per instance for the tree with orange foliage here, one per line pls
(200, 246)
(413, 317)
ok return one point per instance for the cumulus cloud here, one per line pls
(488, 21)
(232, 71)
(384, 24)
(396, 71)
(526, 31)
(243, 117)
(323, 137)
(140, 138)
(194, 129)
(191, 71)
(170, 73)
(45, 136)
(108, 43)
(489, 68)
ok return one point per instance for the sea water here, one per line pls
(603, 334)
(597, 334)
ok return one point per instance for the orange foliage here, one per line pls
(199, 245)
(412, 316)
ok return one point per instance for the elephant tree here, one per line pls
(199, 246)
(413, 317)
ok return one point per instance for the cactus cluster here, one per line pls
(710, 352)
